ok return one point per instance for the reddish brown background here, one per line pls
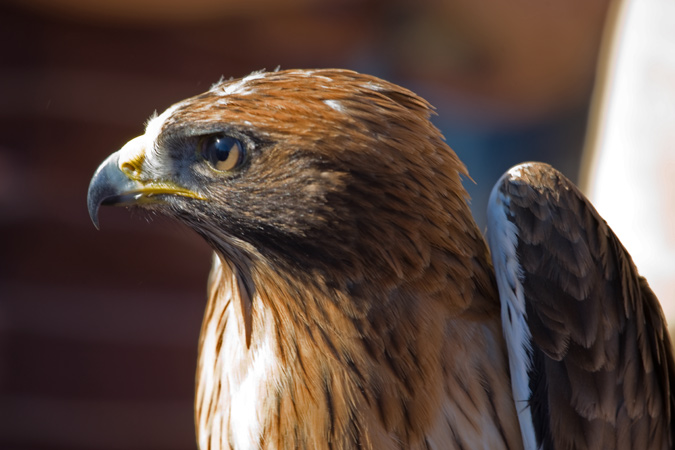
(98, 330)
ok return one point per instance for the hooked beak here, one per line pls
(119, 181)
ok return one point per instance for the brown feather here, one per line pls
(602, 355)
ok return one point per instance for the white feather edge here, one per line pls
(503, 241)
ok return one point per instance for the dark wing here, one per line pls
(591, 361)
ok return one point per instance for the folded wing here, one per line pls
(590, 357)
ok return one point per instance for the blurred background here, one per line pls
(99, 329)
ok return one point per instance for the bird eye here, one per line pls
(224, 153)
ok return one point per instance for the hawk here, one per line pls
(354, 303)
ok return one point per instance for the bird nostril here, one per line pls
(130, 169)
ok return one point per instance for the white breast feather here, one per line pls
(237, 384)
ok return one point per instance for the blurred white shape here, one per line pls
(629, 163)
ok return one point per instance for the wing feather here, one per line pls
(598, 366)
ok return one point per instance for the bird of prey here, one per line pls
(353, 302)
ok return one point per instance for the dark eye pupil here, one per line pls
(223, 153)
(222, 146)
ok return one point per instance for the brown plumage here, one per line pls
(601, 356)
(352, 300)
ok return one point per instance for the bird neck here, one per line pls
(324, 363)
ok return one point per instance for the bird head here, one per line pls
(326, 170)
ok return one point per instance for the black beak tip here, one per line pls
(93, 202)
(93, 211)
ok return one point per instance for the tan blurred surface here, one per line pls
(529, 56)
(534, 57)
(151, 12)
